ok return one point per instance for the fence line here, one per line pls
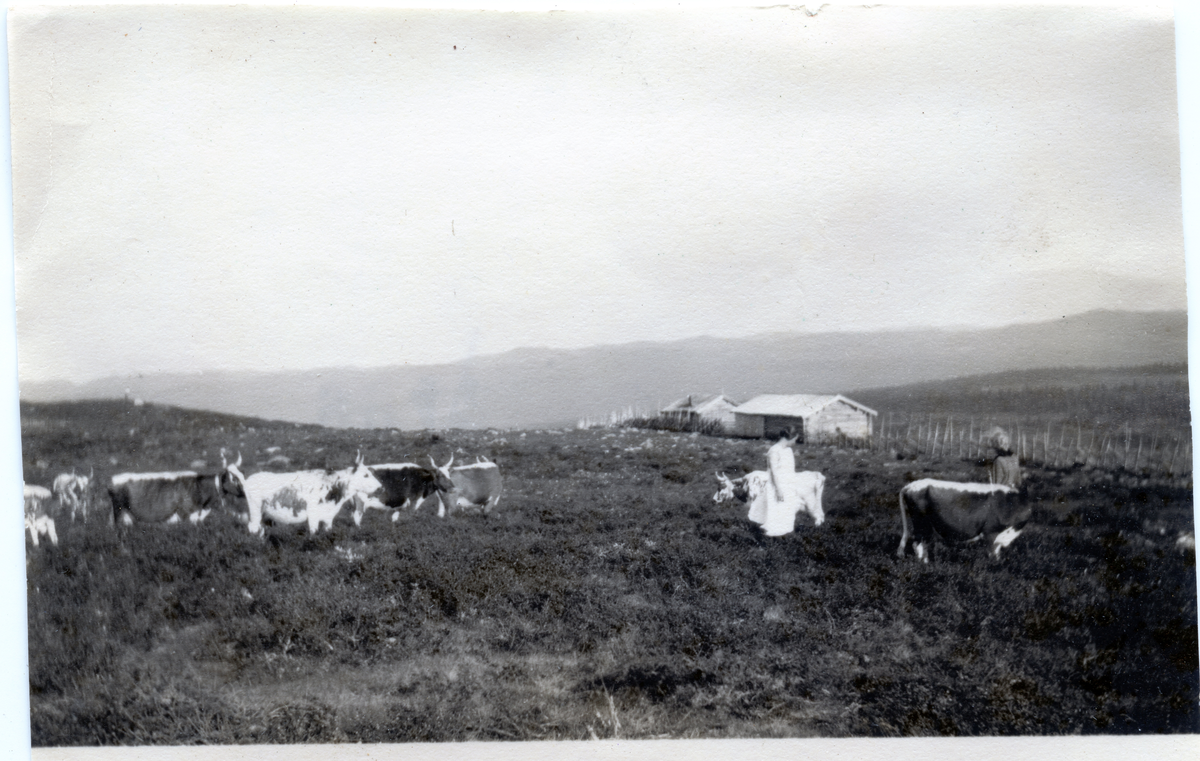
(1059, 444)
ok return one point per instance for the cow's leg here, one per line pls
(921, 552)
(1003, 539)
(51, 532)
(903, 528)
(33, 531)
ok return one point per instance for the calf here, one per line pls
(37, 522)
(73, 493)
(960, 512)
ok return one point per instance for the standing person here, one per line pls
(1004, 468)
(782, 504)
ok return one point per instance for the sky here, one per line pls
(283, 189)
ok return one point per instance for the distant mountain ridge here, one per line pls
(542, 387)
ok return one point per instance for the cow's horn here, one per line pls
(451, 462)
(238, 464)
(431, 462)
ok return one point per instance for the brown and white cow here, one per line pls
(960, 512)
(168, 497)
(408, 485)
(172, 496)
(475, 485)
(37, 521)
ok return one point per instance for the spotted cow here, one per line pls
(314, 497)
(807, 493)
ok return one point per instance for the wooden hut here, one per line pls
(816, 417)
(694, 408)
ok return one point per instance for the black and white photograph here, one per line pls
(468, 376)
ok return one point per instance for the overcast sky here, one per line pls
(224, 188)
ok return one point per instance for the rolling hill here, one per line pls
(543, 387)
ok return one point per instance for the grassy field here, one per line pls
(607, 596)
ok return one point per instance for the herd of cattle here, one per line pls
(954, 511)
(314, 497)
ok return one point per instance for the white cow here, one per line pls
(312, 496)
(807, 489)
(37, 522)
(74, 493)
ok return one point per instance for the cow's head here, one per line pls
(725, 492)
(232, 480)
(443, 469)
(731, 488)
(361, 481)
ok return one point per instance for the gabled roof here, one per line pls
(698, 403)
(796, 405)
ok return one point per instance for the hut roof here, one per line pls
(698, 403)
(796, 405)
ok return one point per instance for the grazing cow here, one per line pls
(164, 497)
(475, 485)
(172, 496)
(37, 522)
(74, 493)
(960, 512)
(807, 493)
(407, 485)
(312, 496)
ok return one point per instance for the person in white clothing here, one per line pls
(782, 503)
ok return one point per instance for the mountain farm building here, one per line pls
(694, 408)
(816, 417)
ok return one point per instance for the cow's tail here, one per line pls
(903, 525)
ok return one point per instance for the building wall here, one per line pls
(852, 422)
(749, 426)
(723, 414)
(773, 425)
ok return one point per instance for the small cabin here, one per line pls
(694, 408)
(815, 417)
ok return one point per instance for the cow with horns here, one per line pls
(407, 485)
(169, 497)
(805, 494)
(314, 497)
(477, 485)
